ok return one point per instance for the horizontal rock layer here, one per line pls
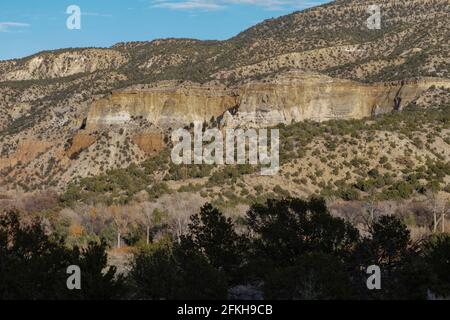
(288, 98)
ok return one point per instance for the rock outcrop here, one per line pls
(295, 97)
(166, 105)
(62, 64)
(25, 152)
(150, 143)
(80, 141)
(290, 97)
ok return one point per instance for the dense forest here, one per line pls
(288, 249)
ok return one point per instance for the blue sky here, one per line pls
(29, 26)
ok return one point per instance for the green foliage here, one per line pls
(181, 172)
(291, 227)
(119, 185)
(280, 191)
(167, 272)
(348, 194)
(213, 235)
(157, 190)
(437, 255)
(314, 276)
(399, 190)
(34, 265)
(389, 246)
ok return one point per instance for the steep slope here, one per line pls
(334, 38)
(60, 104)
(66, 63)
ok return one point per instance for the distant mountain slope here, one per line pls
(45, 99)
(334, 39)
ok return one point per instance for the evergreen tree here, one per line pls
(33, 265)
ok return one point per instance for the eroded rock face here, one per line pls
(25, 152)
(63, 64)
(166, 106)
(287, 98)
(80, 141)
(298, 97)
(150, 143)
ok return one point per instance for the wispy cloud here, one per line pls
(209, 5)
(95, 14)
(8, 26)
(190, 4)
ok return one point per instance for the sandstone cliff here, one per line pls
(286, 98)
(294, 97)
(167, 106)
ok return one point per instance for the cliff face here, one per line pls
(286, 98)
(167, 106)
(298, 97)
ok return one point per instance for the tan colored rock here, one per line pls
(290, 97)
(297, 97)
(169, 106)
(26, 152)
(150, 143)
(80, 141)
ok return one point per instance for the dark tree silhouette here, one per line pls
(313, 276)
(437, 256)
(293, 249)
(33, 265)
(212, 234)
(168, 272)
(404, 273)
(284, 230)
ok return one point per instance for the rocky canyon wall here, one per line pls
(166, 106)
(287, 98)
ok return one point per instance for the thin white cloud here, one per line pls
(7, 26)
(189, 5)
(262, 3)
(209, 5)
(95, 14)
(273, 5)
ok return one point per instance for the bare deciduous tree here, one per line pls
(123, 217)
(151, 216)
(180, 207)
(439, 207)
